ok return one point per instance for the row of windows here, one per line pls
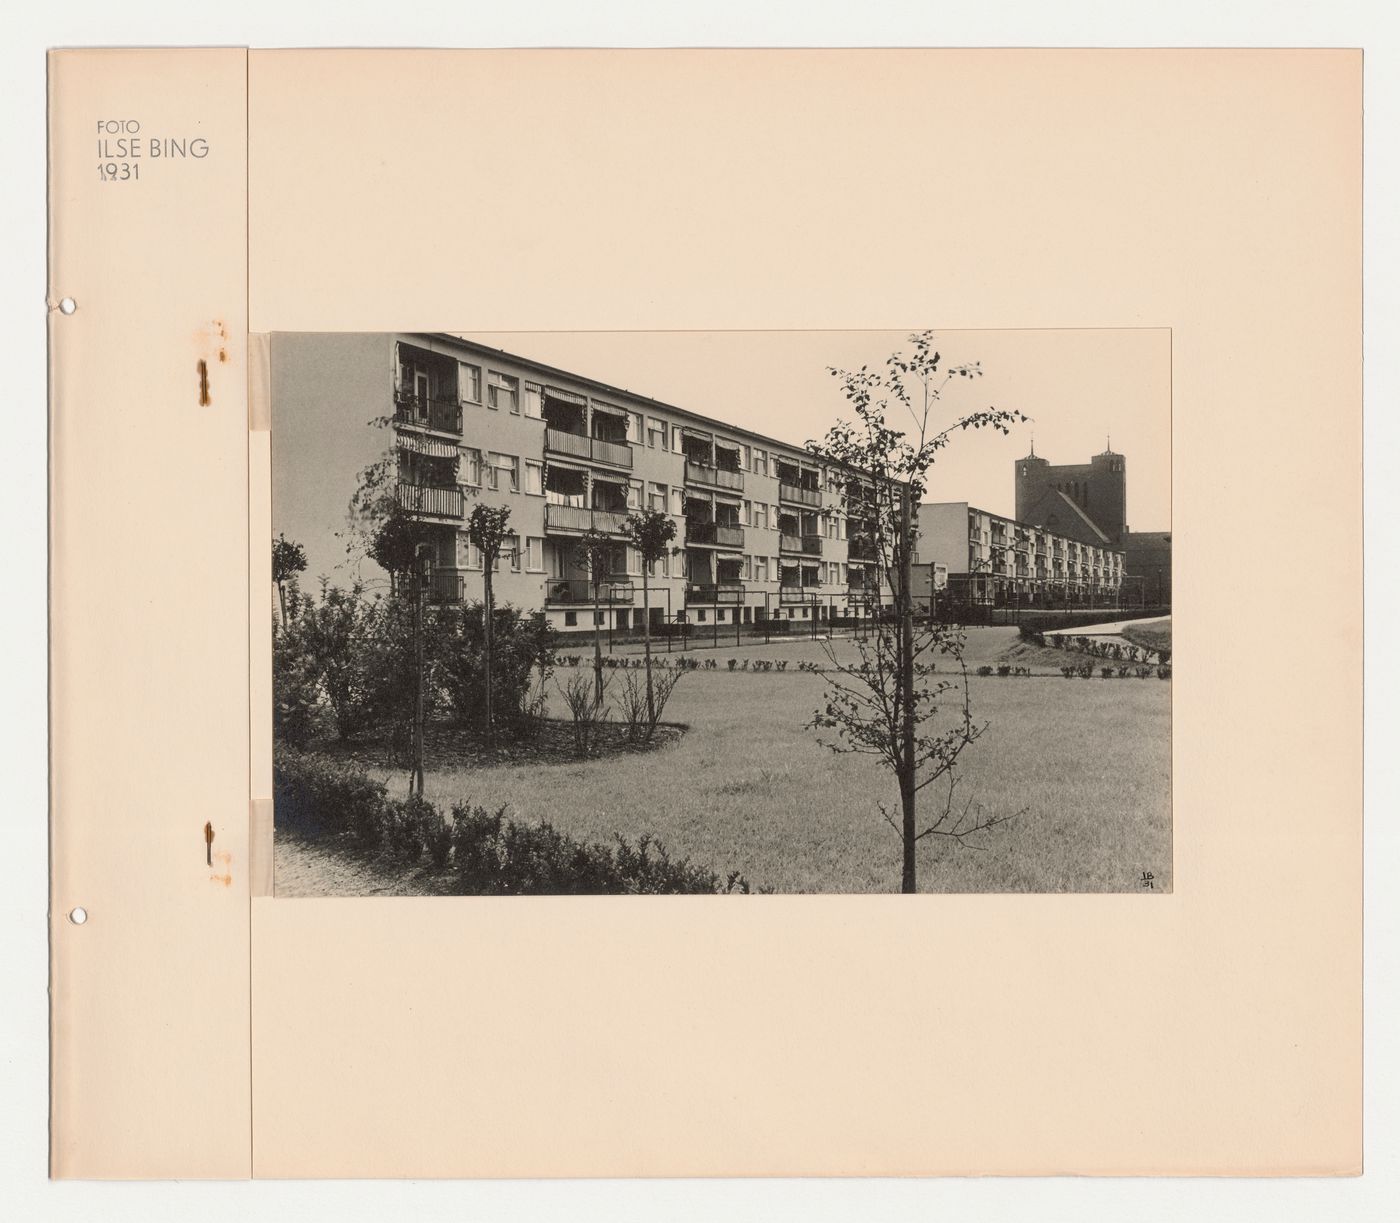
(503, 394)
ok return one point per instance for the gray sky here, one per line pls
(1080, 386)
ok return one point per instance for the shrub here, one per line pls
(984, 670)
(1069, 672)
(495, 856)
(1106, 672)
(641, 726)
(1164, 673)
(319, 797)
(296, 693)
(1004, 669)
(587, 712)
(522, 650)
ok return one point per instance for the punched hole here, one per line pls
(67, 305)
(78, 916)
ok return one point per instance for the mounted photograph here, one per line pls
(726, 612)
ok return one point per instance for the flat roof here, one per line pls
(612, 391)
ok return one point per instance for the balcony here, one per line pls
(437, 415)
(717, 592)
(789, 543)
(581, 446)
(713, 534)
(431, 500)
(580, 590)
(799, 494)
(713, 477)
(800, 594)
(578, 518)
(446, 585)
(812, 545)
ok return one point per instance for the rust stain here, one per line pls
(224, 857)
(223, 355)
(226, 880)
(203, 367)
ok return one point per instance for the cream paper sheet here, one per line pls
(204, 1028)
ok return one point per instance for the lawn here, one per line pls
(748, 788)
(1153, 634)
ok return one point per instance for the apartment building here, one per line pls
(763, 530)
(992, 559)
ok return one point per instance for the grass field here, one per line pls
(1154, 634)
(748, 788)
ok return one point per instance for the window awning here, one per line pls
(609, 410)
(555, 392)
(433, 447)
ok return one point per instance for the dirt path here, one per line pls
(301, 868)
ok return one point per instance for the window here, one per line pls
(633, 562)
(656, 433)
(700, 615)
(473, 556)
(634, 495)
(634, 427)
(534, 554)
(675, 439)
(512, 550)
(760, 462)
(504, 473)
(469, 470)
(503, 391)
(760, 514)
(743, 458)
(746, 513)
(760, 568)
(746, 568)
(677, 501)
(468, 382)
(534, 478)
(534, 401)
(719, 615)
(570, 619)
(656, 497)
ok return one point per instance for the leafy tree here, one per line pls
(486, 528)
(523, 649)
(651, 533)
(595, 551)
(885, 705)
(288, 559)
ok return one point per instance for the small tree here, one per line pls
(595, 551)
(884, 705)
(288, 559)
(486, 528)
(651, 533)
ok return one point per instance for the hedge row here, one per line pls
(489, 854)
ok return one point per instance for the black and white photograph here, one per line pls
(721, 612)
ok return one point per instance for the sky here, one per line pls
(1081, 387)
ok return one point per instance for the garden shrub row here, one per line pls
(1118, 651)
(488, 854)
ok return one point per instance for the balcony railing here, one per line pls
(440, 415)
(857, 550)
(789, 543)
(580, 590)
(431, 499)
(447, 585)
(580, 518)
(799, 494)
(799, 594)
(715, 592)
(581, 446)
(812, 545)
(713, 477)
(720, 534)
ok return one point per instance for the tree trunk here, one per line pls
(646, 642)
(906, 691)
(282, 601)
(487, 628)
(597, 650)
(418, 683)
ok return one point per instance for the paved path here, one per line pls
(301, 868)
(1113, 629)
